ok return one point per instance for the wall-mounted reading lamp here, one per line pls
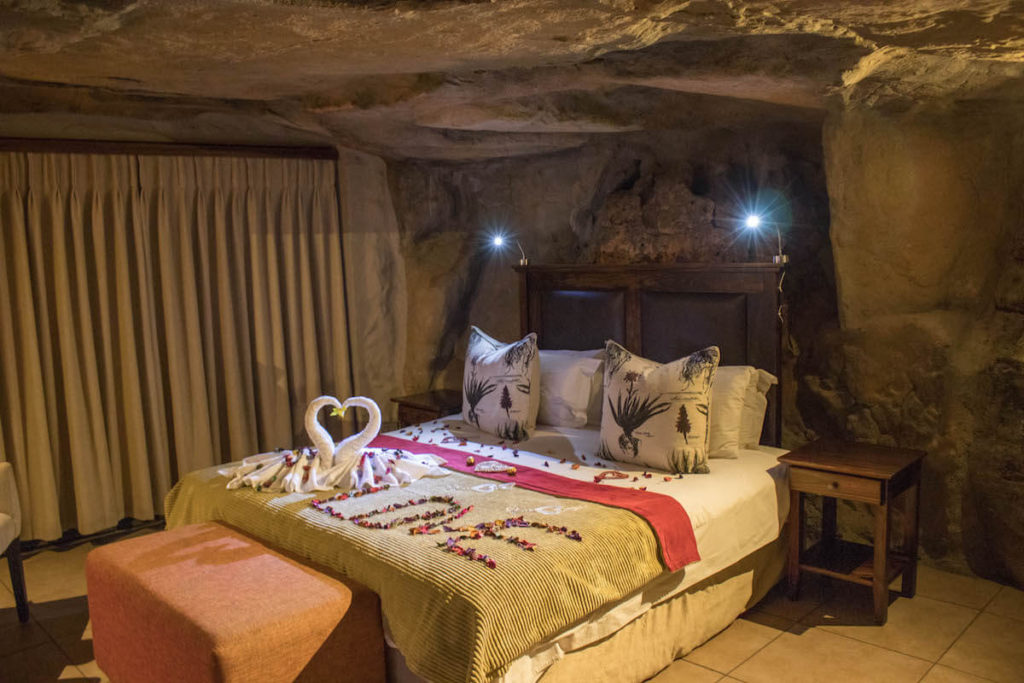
(499, 241)
(754, 221)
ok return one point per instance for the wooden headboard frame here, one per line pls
(661, 312)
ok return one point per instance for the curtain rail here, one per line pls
(51, 145)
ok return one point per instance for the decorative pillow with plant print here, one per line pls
(657, 415)
(501, 385)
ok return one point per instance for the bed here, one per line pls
(603, 608)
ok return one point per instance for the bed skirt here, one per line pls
(667, 631)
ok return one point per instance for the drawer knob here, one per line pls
(834, 485)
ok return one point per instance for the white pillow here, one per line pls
(501, 385)
(595, 405)
(565, 386)
(657, 415)
(728, 399)
(754, 408)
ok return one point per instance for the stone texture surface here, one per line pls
(469, 80)
(884, 139)
(376, 282)
(645, 224)
(914, 337)
(926, 232)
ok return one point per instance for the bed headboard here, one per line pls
(661, 312)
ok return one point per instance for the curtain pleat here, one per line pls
(157, 315)
(29, 442)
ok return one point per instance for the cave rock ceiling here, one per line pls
(460, 79)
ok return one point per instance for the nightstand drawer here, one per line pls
(837, 485)
(407, 415)
(427, 406)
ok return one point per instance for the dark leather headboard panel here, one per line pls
(566, 317)
(673, 325)
(662, 312)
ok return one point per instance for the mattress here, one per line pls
(738, 508)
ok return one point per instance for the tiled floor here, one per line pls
(958, 629)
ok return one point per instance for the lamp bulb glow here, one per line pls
(498, 240)
(753, 221)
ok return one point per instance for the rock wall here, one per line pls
(448, 213)
(375, 275)
(927, 238)
(658, 197)
(905, 292)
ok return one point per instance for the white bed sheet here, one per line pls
(738, 508)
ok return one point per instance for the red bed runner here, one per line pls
(667, 518)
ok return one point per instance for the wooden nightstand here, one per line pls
(427, 406)
(865, 473)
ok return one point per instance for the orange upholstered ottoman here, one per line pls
(206, 603)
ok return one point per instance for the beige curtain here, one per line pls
(159, 314)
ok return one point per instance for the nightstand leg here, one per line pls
(796, 536)
(881, 564)
(828, 520)
(911, 517)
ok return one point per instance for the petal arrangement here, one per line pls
(438, 519)
(451, 512)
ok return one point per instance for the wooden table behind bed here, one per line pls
(662, 312)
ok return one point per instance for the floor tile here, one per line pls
(73, 635)
(16, 637)
(1009, 602)
(816, 655)
(39, 664)
(969, 591)
(733, 646)
(814, 590)
(92, 672)
(991, 648)
(943, 674)
(52, 575)
(920, 627)
(65, 618)
(6, 598)
(681, 671)
(769, 620)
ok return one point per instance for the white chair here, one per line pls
(10, 529)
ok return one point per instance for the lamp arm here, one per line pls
(523, 261)
(780, 258)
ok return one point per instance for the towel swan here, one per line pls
(293, 471)
(368, 467)
(347, 465)
(318, 435)
(357, 442)
(346, 456)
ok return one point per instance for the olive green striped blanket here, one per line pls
(453, 619)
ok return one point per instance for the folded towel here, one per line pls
(299, 471)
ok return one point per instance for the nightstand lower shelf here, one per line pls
(849, 561)
(863, 474)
